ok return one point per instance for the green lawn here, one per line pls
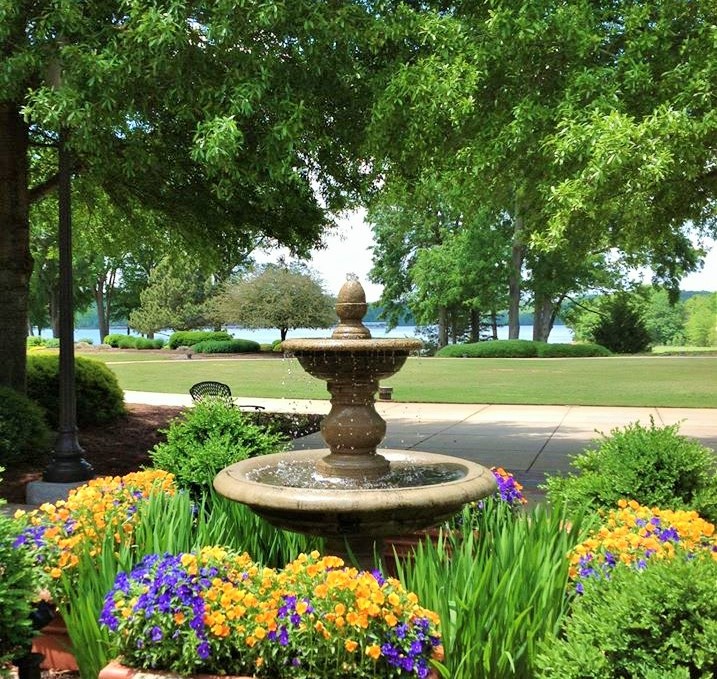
(668, 381)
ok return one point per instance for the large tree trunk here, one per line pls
(102, 311)
(15, 258)
(515, 277)
(543, 317)
(475, 325)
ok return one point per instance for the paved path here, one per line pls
(529, 441)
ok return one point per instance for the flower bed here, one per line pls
(216, 611)
(103, 506)
(633, 535)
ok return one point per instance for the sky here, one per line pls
(348, 250)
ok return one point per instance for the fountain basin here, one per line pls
(367, 360)
(354, 513)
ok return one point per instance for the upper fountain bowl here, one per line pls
(351, 353)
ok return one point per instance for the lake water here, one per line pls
(559, 334)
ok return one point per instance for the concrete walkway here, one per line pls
(528, 441)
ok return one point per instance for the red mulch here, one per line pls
(113, 449)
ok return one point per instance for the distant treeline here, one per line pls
(88, 318)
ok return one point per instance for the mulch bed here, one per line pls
(122, 446)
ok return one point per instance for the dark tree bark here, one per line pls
(15, 258)
(442, 327)
(515, 277)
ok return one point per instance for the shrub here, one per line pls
(205, 439)
(99, 396)
(235, 346)
(622, 330)
(85, 340)
(113, 339)
(654, 466)
(187, 338)
(24, 435)
(35, 341)
(127, 342)
(581, 350)
(491, 349)
(19, 585)
(658, 623)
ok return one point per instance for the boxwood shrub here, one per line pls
(521, 349)
(659, 623)
(234, 346)
(99, 396)
(188, 338)
(208, 437)
(656, 466)
(581, 350)
(491, 349)
(133, 342)
(24, 434)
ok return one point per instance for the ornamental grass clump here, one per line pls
(215, 610)
(107, 506)
(637, 536)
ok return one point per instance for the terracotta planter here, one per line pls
(402, 547)
(116, 670)
(54, 643)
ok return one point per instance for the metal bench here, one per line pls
(219, 390)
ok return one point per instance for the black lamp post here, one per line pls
(67, 464)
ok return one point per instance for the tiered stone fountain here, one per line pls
(349, 493)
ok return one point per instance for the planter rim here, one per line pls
(116, 670)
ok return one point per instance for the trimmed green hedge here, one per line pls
(132, 342)
(491, 349)
(235, 346)
(520, 349)
(99, 396)
(188, 338)
(583, 350)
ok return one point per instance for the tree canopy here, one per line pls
(232, 120)
(589, 125)
(276, 296)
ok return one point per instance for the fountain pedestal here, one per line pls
(348, 493)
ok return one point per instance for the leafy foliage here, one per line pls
(655, 466)
(622, 330)
(24, 435)
(660, 623)
(234, 346)
(175, 297)
(208, 437)
(100, 399)
(701, 323)
(19, 588)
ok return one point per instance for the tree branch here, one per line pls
(41, 190)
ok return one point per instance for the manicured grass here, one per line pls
(665, 381)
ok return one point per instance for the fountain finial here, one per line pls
(351, 307)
